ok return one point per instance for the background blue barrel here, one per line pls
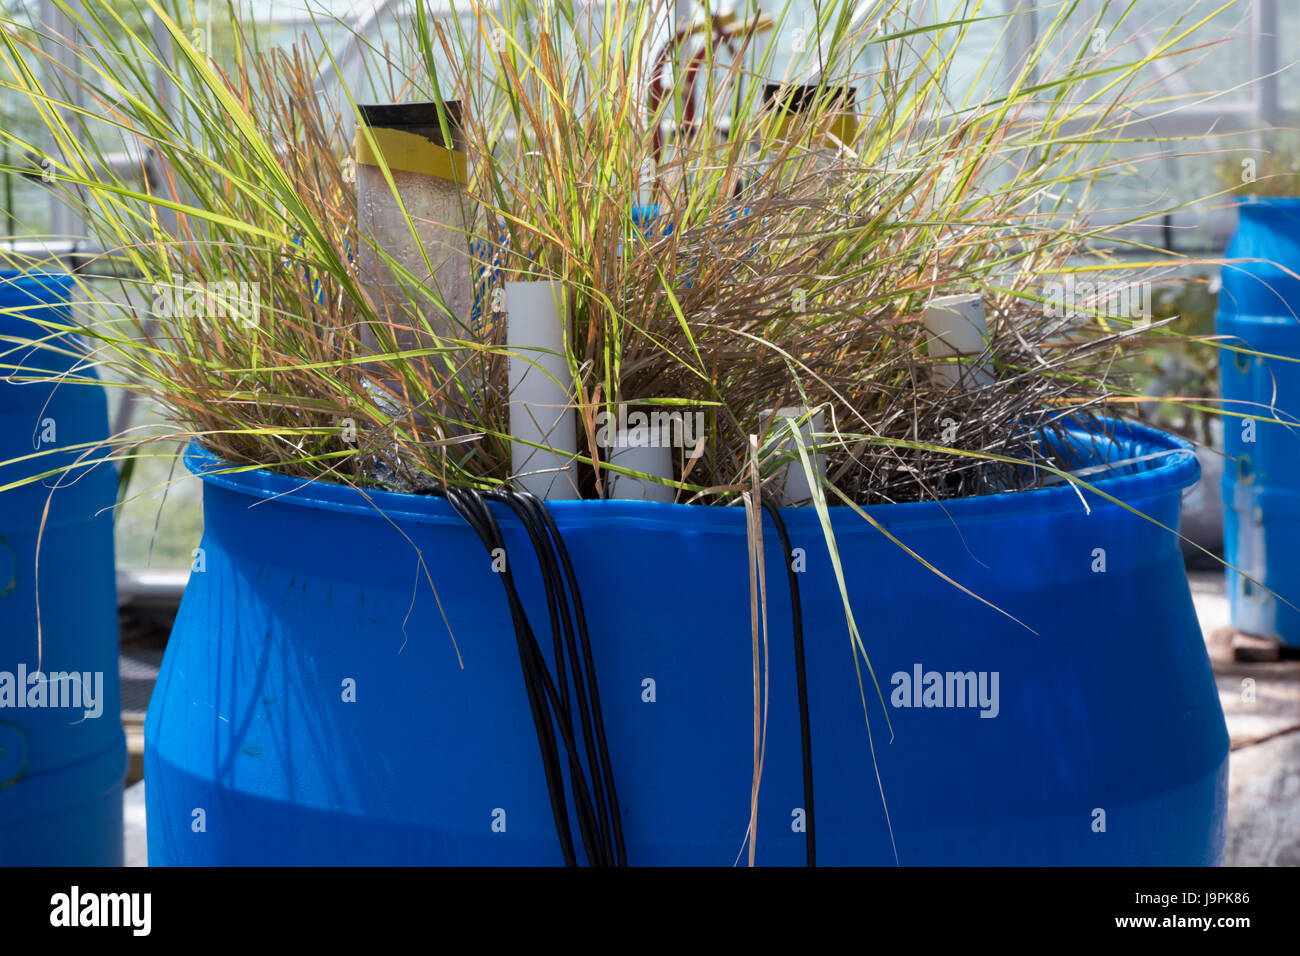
(312, 708)
(1259, 309)
(1268, 232)
(62, 761)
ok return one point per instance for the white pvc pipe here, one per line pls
(654, 460)
(790, 484)
(956, 327)
(541, 400)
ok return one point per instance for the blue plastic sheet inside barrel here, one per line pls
(62, 750)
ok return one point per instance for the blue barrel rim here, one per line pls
(1283, 203)
(1175, 468)
(21, 278)
(34, 289)
(21, 292)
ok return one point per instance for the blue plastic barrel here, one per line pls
(62, 750)
(312, 709)
(1259, 309)
(1267, 243)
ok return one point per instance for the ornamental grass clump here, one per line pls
(740, 229)
(747, 229)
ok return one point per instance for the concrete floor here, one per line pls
(1264, 724)
(136, 847)
(1261, 701)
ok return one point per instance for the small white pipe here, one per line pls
(541, 400)
(656, 460)
(790, 484)
(955, 326)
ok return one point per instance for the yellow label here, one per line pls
(840, 129)
(411, 153)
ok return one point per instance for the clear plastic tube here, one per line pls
(417, 271)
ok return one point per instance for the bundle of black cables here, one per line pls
(550, 697)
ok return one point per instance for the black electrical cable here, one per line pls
(469, 505)
(587, 690)
(536, 516)
(537, 521)
(594, 834)
(540, 679)
(535, 663)
(598, 719)
(598, 821)
(471, 508)
(801, 678)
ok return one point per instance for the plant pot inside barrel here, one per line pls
(314, 708)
